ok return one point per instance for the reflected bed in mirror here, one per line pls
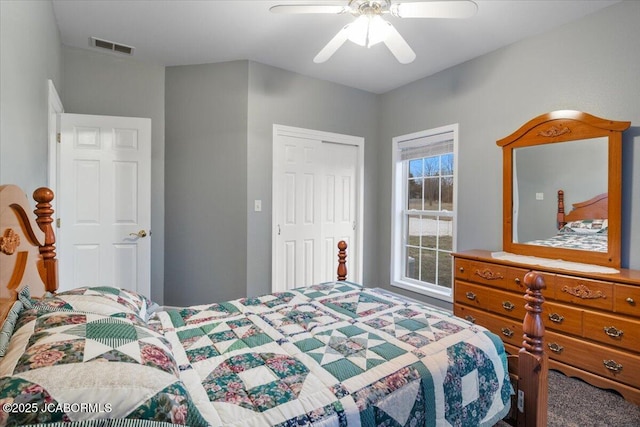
(584, 228)
(581, 154)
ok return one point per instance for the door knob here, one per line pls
(140, 234)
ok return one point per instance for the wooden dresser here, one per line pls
(592, 320)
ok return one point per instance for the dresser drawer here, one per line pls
(507, 304)
(473, 295)
(515, 279)
(612, 330)
(607, 362)
(510, 330)
(488, 274)
(586, 292)
(562, 318)
(627, 300)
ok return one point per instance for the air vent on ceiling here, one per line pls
(112, 46)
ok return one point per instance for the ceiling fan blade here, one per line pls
(398, 46)
(309, 8)
(457, 9)
(333, 45)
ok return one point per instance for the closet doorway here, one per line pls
(317, 201)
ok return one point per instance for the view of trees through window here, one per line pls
(429, 214)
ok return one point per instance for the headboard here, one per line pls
(27, 245)
(595, 208)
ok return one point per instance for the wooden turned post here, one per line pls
(342, 260)
(532, 360)
(560, 217)
(44, 212)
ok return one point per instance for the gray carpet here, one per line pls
(574, 403)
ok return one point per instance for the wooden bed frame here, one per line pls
(596, 207)
(28, 257)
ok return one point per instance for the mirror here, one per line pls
(561, 184)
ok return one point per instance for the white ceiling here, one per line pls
(181, 32)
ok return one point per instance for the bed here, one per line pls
(584, 228)
(332, 354)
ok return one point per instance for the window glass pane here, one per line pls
(415, 194)
(444, 269)
(415, 168)
(447, 194)
(432, 194)
(412, 263)
(414, 230)
(428, 267)
(446, 165)
(445, 233)
(432, 166)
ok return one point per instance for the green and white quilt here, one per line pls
(334, 354)
(337, 354)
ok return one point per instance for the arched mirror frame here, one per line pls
(557, 127)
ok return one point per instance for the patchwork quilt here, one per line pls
(586, 242)
(337, 354)
(334, 354)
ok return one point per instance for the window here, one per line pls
(424, 211)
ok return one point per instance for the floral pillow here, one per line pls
(70, 366)
(102, 300)
(586, 226)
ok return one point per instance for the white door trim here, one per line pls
(55, 107)
(355, 254)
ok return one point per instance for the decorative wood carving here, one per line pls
(554, 131)
(488, 274)
(583, 292)
(9, 242)
(342, 260)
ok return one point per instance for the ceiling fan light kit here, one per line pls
(369, 28)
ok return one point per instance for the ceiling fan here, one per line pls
(369, 28)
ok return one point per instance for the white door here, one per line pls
(316, 203)
(104, 202)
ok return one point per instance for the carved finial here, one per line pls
(561, 221)
(44, 213)
(533, 327)
(342, 260)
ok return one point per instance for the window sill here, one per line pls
(444, 295)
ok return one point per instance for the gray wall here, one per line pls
(281, 97)
(29, 56)
(206, 183)
(590, 65)
(219, 153)
(105, 84)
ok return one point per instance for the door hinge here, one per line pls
(58, 138)
(58, 223)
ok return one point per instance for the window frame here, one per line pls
(400, 211)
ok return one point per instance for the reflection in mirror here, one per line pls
(580, 169)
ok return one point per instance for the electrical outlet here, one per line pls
(539, 196)
(257, 205)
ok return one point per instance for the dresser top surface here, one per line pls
(627, 276)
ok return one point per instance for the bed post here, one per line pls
(532, 360)
(560, 217)
(342, 260)
(44, 213)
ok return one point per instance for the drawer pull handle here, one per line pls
(556, 318)
(556, 348)
(470, 295)
(612, 365)
(613, 332)
(508, 305)
(470, 318)
(507, 332)
(461, 269)
(517, 280)
(631, 301)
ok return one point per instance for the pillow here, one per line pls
(8, 326)
(72, 366)
(102, 300)
(586, 226)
